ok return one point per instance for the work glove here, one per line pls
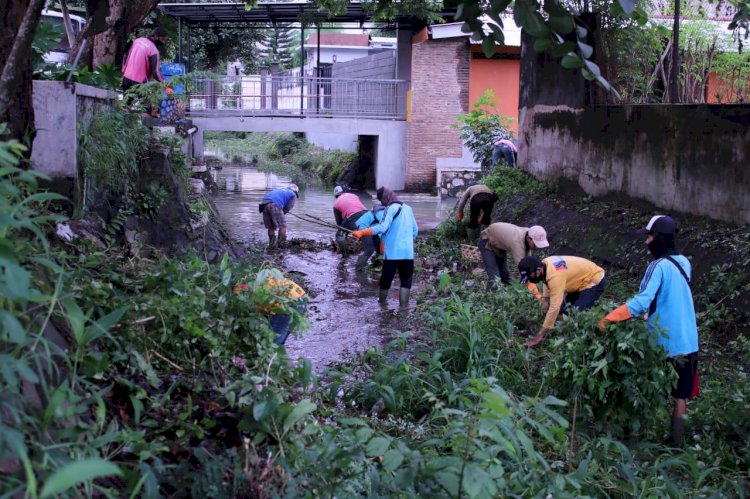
(534, 290)
(621, 313)
(460, 216)
(479, 220)
(362, 233)
(169, 90)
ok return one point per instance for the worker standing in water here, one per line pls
(274, 206)
(347, 209)
(397, 232)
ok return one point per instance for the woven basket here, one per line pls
(470, 253)
(354, 245)
(348, 243)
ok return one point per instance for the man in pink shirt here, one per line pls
(347, 209)
(142, 61)
(505, 149)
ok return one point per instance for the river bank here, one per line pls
(170, 374)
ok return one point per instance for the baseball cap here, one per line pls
(661, 224)
(293, 188)
(338, 190)
(527, 265)
(539, 236)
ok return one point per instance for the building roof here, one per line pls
(284, 11)
(453, 30)
(339, 40)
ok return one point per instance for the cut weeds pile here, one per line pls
(144, 378)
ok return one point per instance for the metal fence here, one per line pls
(292, 95)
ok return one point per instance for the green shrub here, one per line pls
(620, 377)
(110, 149)
(481, 127)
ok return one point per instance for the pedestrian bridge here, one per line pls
(295, 103)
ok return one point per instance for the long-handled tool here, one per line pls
(320, 221)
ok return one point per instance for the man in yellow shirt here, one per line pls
(569, 281)
(280, 289)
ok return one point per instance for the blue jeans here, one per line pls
(280, 322)
(503, 151)
(583, 300)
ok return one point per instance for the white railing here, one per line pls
(292, 95)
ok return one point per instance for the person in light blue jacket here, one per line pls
(666, 296)
(371, 244)
(397, 231)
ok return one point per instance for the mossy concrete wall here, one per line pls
(682, 158)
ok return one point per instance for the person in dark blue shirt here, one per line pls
(274, 206)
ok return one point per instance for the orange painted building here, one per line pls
(501, 74)
(448, 75)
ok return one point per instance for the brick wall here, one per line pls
(440, 92)
(380, 66)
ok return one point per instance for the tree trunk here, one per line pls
(106, 43)
(20, 19)
(108, 26)
(674, 73)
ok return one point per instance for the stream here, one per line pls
(343, 313)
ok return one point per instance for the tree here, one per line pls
(280, 40)
(108, 25)
(20, 19)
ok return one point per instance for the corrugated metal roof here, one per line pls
(284, 11)
(453, 30)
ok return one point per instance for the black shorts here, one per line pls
(688, 382)
(405, 270)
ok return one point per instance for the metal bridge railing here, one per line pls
(296, 96)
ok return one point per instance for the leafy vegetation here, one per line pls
(284, 152)
(127, 376)
(481, 127)
(110, 150)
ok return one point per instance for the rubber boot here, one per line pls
(403, 297)
(678, 432)
(473, 234)
(383, 296)
(282, 242)
(272, 241)
(361, 262)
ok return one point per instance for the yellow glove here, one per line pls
(621, 313)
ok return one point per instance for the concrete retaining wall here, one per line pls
(60, 111)
(685, 158)
(380, 66)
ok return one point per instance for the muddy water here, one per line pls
(343, 314)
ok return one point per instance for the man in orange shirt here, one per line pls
(569, 281)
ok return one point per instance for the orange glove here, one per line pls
(621, 313)
(362, 233)
(534, 290)
(479, 220)
(460, 215)
(169, 90)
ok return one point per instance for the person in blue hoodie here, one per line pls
(274, 206)
(397, 231)
(666, 296)
(371, 243)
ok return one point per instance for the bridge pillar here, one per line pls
(198, 143)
